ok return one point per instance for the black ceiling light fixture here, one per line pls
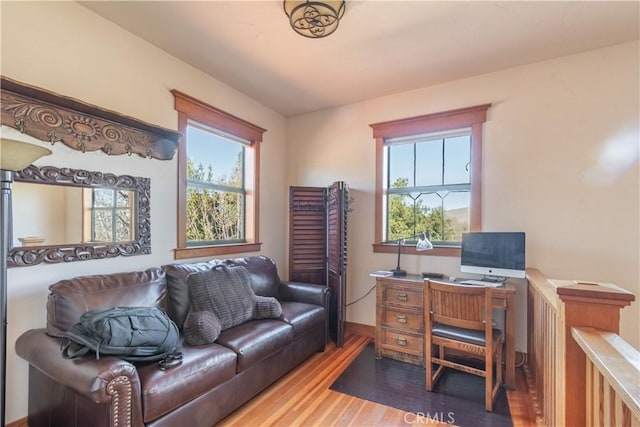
(314, 19)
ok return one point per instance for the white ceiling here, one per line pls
(379, 48)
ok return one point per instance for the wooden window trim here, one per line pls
(472, 117)
(190, 108)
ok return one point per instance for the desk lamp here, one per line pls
(14, 156)
(423, 245)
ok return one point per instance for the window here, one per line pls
(428, 176)
(109, 215)
(218, 169)
(428, 186)
(215, 187)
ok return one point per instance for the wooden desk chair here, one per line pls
(459, 317)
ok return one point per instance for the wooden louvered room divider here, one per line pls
(318, 245)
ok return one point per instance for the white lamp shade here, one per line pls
(17, 155)
(424, 244)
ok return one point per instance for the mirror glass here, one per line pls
(64, 215)
(45, 214)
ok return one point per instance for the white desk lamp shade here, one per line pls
(17, 155)
(424, 244)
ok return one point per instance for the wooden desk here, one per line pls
(400, 321)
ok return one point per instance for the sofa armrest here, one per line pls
(109, 381)
(305, 292)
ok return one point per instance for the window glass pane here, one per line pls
(401, 216)
(123, 225)
(429, 165)
(401, 165)
(457, 158)
(123, 198)
(444, 214)
(214, 159)
(102, 198)
(102, 225)
(214, 215)
(430, 215)
(456, 213)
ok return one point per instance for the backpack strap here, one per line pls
(68, 354)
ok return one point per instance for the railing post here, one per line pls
(597, 306)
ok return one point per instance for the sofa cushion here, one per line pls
(201, 327)
(225, 291)
(69, 299)
(256, 340)
(202, 369)
(179, 303)
(267, 308)
(262, 272)
(302, 316)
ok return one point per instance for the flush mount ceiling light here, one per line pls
(314, 19)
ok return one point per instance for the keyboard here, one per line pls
(482, 283)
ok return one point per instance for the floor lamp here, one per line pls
(14, 156)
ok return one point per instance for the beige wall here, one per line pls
(63, 47)
(61, 222)
(560, 163)
(545, 163)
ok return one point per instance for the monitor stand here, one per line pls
(493, 279)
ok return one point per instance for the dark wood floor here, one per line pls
(303, 398)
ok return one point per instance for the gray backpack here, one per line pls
(136, 334)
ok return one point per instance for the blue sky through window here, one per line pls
(207, 148)
(429, 162)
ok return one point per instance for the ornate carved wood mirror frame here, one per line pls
(141, 243)
(54, 118)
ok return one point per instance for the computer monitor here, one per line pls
(499, 254)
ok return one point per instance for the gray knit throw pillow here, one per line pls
(201, 327)
(267, 308)
(225, 291)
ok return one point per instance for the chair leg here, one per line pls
(500, 367)
(428, 367)
(488, 379)
(429, 374)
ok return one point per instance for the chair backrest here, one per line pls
(462, 306)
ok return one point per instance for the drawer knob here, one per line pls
(401, 318)
(401, 297)
(401, 341)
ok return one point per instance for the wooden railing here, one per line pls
(612, 376)
(545, 347)
(556, 365)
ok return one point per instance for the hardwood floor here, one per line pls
(303, 398)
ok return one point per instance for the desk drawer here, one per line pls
(402, 342)
(402, 295)
(403, 319)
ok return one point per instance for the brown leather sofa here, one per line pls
(213, 380)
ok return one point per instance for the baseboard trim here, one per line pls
(22, 422)
(360, 329)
